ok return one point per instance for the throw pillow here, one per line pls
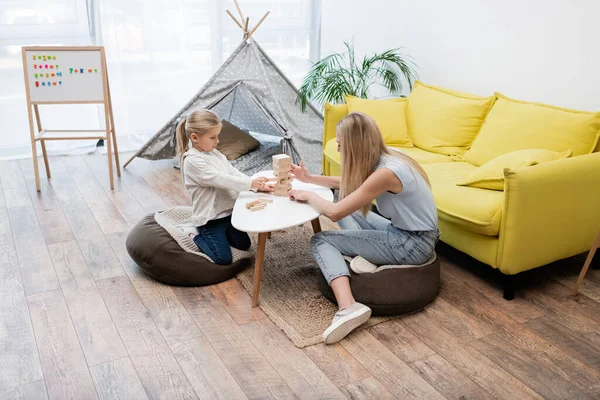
(390, 116)
(445, 121)
(491, 174)
(516, 125)
(234, 142)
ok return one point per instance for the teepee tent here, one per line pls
(250, 91)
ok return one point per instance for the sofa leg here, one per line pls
(509, 287)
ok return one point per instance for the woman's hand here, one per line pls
(259, 183)
(300, 172)
(300, 195)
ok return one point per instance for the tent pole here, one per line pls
(259, 22)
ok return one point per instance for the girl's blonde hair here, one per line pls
(198, 122)
(361, 148)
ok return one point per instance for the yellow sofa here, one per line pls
(546, 212)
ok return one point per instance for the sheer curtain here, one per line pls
(159, 55)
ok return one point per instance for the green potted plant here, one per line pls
(339, 74)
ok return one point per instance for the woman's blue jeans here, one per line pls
(375, 239)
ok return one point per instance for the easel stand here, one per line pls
(42, 135)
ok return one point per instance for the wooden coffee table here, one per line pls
(283, 213)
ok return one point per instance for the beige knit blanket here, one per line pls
(170, 218)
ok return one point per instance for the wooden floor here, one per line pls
(79, 321)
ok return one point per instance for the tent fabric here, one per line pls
(252, 93)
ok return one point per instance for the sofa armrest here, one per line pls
(551, 211)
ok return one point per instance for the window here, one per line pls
(159, 55)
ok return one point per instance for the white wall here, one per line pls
(536, 50)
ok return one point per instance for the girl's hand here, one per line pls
(300, 172)
(300, 195)
(269, 187)
(259, 183)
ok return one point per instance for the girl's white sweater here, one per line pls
(212, 182)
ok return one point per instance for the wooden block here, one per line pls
(281, 158)
(258, 207)
(282, 193)
(264, 200)
(253, 203)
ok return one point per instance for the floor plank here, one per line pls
(524, 339)
(156, 366)
(97, 334)
(453, 272)
(19, 358)
(366, 389)
(29, 391)
(395, 375)
(564, 338)
(237, 301)
(35, 263)
(55, 227)
(145, 194)
(463, 326)
(447, 379)
(95, 249)
(339, 365)
(233, 347)
(491, 377)
(169, 315)
(400, 341)
(117, 379)
(107, 216)
(544, 381)
(13, 185)
(65, 370)
(208, 375)
(305, 379)
(152, 178)
(121, 197)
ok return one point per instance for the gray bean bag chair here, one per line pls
(393, 290)
(159, 255)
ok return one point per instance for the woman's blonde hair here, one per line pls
(361, 148)
(198, 122)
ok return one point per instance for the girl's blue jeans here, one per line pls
(375, 239)
(216, 237)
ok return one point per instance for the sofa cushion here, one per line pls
(234, 142)
(421, 156)
(491, 174)
(474, 209)
(390, 116)
(445, 121)
(515, 125)
(332, 115)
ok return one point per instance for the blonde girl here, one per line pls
(407, 234)
(213, 184)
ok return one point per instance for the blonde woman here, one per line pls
(407, 234)
(213, 184)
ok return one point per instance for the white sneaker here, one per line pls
(345, 321)
(361, 266)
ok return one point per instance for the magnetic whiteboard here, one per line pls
(64, 75)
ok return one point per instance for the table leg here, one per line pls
(258, 267)
(316, 224)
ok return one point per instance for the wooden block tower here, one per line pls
(281, 169)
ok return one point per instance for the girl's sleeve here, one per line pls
(206, 174)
